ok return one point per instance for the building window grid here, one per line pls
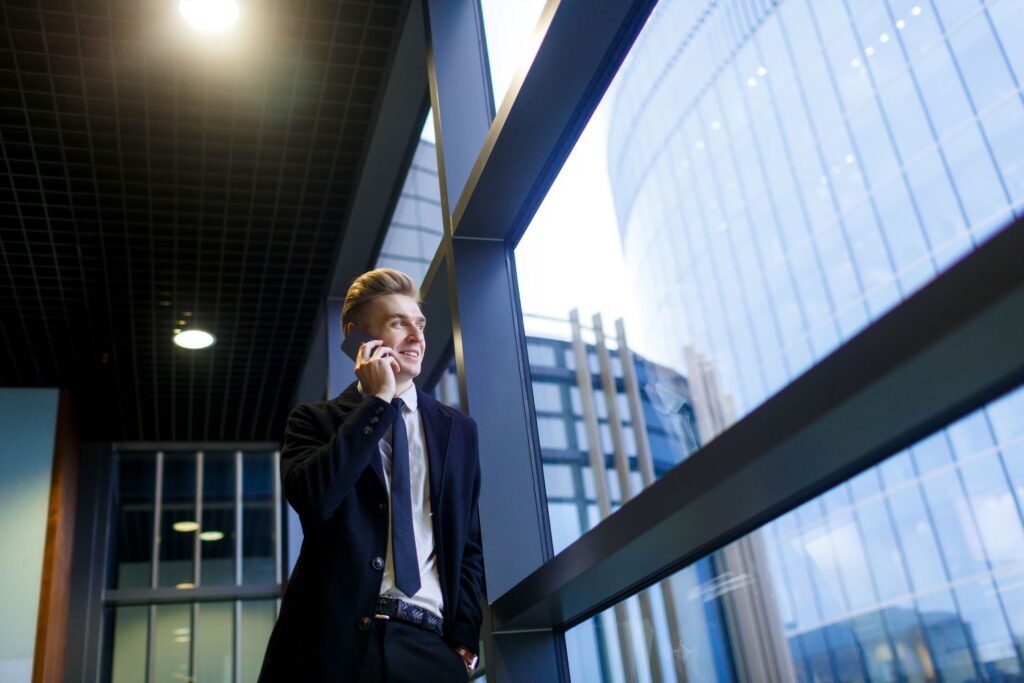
(823, 168)
(115, 601)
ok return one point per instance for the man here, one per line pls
(385, 479)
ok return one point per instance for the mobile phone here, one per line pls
(355, 338)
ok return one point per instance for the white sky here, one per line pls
(570, 256)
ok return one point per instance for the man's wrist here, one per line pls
(468, 658)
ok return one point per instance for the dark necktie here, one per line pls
(403, 539)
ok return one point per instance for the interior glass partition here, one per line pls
(205, 612)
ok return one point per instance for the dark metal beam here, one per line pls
(167, 596)
(946, 351)
(544, 114)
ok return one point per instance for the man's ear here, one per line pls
(347, 328)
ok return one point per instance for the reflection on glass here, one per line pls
(127, 656)
(913, 570)
(258, 533)
(215, 648)
(132, 512)
(416, 225)
(217, 534)
(258, 618)
(178, 523)
(172, 637)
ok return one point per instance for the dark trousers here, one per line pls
(403, 653)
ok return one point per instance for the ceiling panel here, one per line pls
(153, 175)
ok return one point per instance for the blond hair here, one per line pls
(371, 285)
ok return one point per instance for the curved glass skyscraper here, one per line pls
(784, 173)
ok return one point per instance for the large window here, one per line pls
(913, 570)
(193, 587)
(758, 186)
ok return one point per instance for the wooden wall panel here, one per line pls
(51, 627)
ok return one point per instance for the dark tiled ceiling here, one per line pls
(150, 176)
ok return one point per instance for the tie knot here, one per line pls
(398, 403)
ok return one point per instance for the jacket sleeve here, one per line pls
(468, 613)
(319, 466)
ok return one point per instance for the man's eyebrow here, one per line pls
(403, 315)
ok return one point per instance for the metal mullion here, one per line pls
(237, 622)
(276, 469)
(196, 549)
(154, 574)
(157, 503)
(238, 518)
(197, 570)
(237, 644)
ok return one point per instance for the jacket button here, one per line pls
(379, 410)
(367, 430)
(364, 624)
(374, 420)
(382, 508)
(378, 563)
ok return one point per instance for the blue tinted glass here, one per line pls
(920, 578)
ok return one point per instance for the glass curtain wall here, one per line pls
(760, 183)
(192, 634)
(416, 228)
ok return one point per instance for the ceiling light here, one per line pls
(209, 15)
(186, 527)
(211, 535)
(194, 339)
(184, 586)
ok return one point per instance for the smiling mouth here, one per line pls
(411, 354)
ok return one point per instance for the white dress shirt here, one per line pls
(429, 594)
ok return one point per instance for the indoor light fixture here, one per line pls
(186, 527)
(209, 15)
(194, 339)
(211, 535)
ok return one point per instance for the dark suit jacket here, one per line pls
(332, 474)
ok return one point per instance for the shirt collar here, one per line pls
(408, 396)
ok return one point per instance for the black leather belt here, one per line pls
(400, 610)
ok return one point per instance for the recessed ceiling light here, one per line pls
(186, 527)
(211, 535)
(183, 586)
(209, 15)
(194, 339)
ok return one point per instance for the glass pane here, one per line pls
(172, 638)
(215, 642)
(217, 536)
(760, 182)
(258, 540)
(128, 643)
(512, 40)
(132, 513)
(258, 618)
(178, 524)
(416, 225)
(913, 570)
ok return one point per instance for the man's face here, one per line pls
(397, 319)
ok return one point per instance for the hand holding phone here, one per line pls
(377, 372)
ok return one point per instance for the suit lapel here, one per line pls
(436, 430)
